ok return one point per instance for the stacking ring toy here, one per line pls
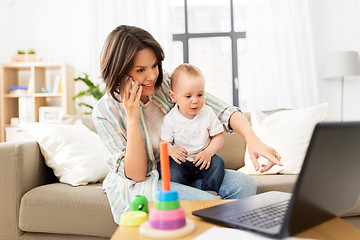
(166, 217)
(166, 196)
(175, 214)
(167, 205)
(168, 225)
(133, 218)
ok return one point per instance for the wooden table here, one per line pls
(333, 229)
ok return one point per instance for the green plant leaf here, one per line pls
(93, 90)
(80, 94)
(85, 105)
(86, 80)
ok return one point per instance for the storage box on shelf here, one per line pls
(36, 76)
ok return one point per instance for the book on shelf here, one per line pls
(57, 84)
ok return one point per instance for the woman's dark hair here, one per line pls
(118, 55)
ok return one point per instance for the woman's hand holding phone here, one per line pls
(132, 99)
(132, 84)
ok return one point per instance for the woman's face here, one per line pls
(145, 70)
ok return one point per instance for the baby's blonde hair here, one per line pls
(187, 68)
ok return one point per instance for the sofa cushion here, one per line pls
(73, 151)
(61, 208)
(275, 182)
(289, 132)
(233, 149)
(86, 119)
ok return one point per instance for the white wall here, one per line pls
(5, 32)
(72, 31)
(336, 27)
(53, 28)
(59, 30)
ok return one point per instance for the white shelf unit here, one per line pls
(36, 76)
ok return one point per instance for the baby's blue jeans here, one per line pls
(235, 185)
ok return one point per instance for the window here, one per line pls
(211, 35)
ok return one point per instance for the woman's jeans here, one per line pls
(235, 185)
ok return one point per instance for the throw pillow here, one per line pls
(289, 133)
(74, 152)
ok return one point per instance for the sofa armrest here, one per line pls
(22, 167)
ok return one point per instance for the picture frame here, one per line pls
(50, 114)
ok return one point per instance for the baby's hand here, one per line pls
(178, 154)
(203, 159)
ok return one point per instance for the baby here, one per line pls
(193, 131)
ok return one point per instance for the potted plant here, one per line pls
(31, 51)
(93, 90)
(28, 56)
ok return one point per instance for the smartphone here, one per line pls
(132, 83)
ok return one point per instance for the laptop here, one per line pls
(327, 186)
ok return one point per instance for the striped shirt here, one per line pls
(109, 117)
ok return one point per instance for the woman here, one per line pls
(128, 119)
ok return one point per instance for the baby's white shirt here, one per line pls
(191, 134)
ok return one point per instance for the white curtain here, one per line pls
(281, 68)
(151, 15)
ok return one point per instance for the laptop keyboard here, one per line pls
(265, 217)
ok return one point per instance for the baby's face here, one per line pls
(189, 94)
